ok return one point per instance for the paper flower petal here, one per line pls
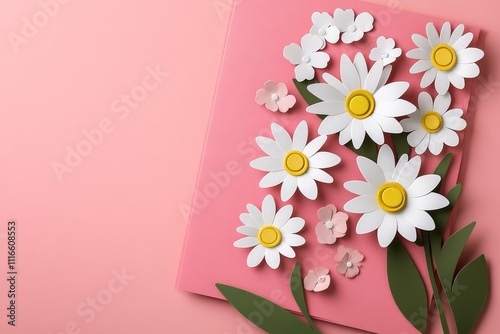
(364, 22)
(323, 283)
(308, 187)
(326, 213)
(286, 102)
(293, 53)
(387, 231)
(283, 216)
(293, 225)
(370, 221)
(310, 280)
(286, 250)
(324, 234)
(343, 19)
(304, 72)
(255, 256)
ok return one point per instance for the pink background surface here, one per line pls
(119, 208)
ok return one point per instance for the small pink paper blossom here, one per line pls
(317, 280)
(350, 261)
(275, 97)
(332, 225)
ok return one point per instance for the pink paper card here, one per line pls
(258, 50)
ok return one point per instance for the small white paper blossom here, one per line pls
(385, 51)
(323, 29)
(270, 233)
(445, 58)
(294, 163)
(352, 29)
(433, 125)
(394, 199)
(307, 57)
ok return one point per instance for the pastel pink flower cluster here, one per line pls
(349, 263)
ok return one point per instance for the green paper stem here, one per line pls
(263, 313)
(435, 290)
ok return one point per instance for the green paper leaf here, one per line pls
(298, 294)
(407, 287)
(263, 313)
(306, 95)
(468, 294)
(446, 262)
(401, 144)
(442, 169)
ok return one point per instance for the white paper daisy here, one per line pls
(362, 103)
(270, 233)
(394, 199)
(433, 125)
(445, 58)
(294, 163)
(307, 57)
(386, 51)
(352, 29)
(323, 29)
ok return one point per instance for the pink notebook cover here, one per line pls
(258, 32)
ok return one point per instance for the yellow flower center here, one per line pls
(360, 104)
(391, 197)
(432, 122)
(296, 163)
(443, 57)
(269, 236)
